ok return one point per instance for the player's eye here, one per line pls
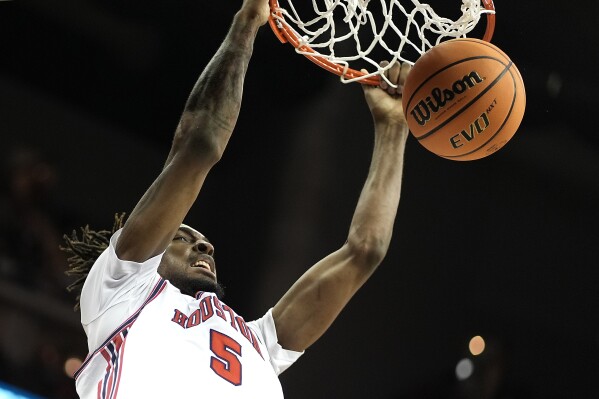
(180, 238)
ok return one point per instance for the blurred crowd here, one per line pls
(39, 328)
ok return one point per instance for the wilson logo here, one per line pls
(438, 98)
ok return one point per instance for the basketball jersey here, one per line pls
(148, 340)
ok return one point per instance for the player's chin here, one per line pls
(205, 284)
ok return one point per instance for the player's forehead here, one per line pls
(190, 231)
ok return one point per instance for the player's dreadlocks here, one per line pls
(84, 251)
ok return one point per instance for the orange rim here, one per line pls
(490, 20)
(285, 34)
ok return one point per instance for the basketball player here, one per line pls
(151, 305)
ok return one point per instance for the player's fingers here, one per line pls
(393, 76)
(403, 74)
(384, 85)
(394, 72)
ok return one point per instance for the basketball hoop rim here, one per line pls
(287, 35)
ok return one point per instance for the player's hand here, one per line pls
(385, 101)
(259, 9)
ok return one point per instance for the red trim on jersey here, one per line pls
(124, 327)
(118, 378)
(113, 354)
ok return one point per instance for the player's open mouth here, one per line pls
(203, 264)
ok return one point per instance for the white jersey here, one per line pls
(148, 340)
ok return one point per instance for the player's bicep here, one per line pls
(307, 310)
(161, 210)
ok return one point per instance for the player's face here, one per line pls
(188, 263)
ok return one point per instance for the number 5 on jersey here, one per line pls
(226, 362)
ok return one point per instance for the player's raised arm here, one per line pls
(203, 132)
(316, 299)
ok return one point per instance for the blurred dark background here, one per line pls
(504, 248)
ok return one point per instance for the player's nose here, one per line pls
(204, 247)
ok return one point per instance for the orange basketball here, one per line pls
(464, 99)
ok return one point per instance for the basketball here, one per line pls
(464, 99)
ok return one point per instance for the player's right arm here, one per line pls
(200, 139)
(311, 305)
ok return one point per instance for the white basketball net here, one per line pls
(336, 24)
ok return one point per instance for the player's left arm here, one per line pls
(307, 310)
